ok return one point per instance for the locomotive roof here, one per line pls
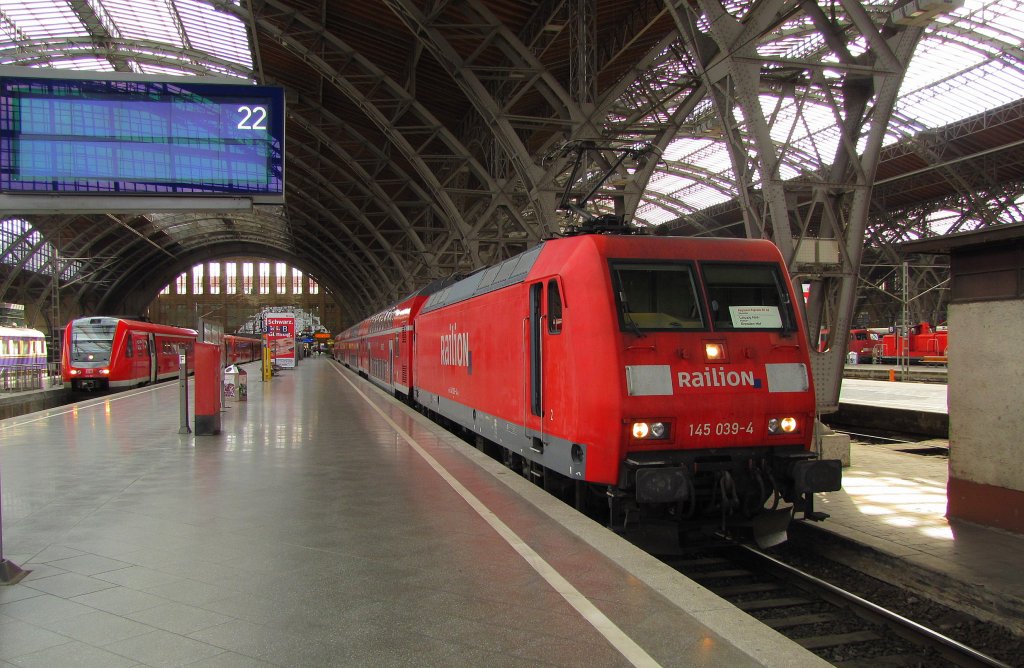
(495, 277)
(515, 269)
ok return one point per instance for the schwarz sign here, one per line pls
(140, 137)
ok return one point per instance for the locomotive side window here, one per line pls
(554, 308)
(748, 296)
(656, 296)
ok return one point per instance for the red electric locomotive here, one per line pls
(115, 353)
(666, 374)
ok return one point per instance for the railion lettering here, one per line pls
(455, 347)
(717, 377)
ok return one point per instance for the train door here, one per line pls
(131, 361)
(391, 362)
(547, 347)
(151, 345)
(536, 413)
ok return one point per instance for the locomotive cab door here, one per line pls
(546, 347)
(536, 356)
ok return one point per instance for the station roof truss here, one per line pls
(430, 138)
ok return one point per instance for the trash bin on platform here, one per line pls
(242, 385)
(231, 382)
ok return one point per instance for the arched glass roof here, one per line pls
(182, 34)
(968, 62)
(418, 144)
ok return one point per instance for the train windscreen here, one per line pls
(92, 341)
(656, 296)
(747, 296)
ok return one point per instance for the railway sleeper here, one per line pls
(742, 590)
(837, 639)
(771, 603)
(780, 623)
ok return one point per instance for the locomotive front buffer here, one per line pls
(767, 477)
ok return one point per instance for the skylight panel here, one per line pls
(44, 19)
(983, 88)
(144, 20)
(667, 183)
(85, 64)
(684, 146)
(937, 60)
(168, 68)
(713, 158)
(215, 32)
(996, 32)
(940, 222)
(1000, 15)
(697, 197)
(651, 214)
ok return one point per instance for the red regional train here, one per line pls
(241, 349)
(114, 353)
(665, 376)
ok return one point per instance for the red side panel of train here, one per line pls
(241, 349)
(380, 348)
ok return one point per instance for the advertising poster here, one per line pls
(281, 339)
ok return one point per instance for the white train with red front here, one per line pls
(660, 376)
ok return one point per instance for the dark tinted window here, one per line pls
(656, 295)
(554, 308)
(747, 296)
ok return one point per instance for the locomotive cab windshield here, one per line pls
(663, 296)
(657, 296)
(747, 296)
(92, 341)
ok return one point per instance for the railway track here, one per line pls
(838, 626)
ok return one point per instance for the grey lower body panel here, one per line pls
(556, 454)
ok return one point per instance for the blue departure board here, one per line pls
(110, 137)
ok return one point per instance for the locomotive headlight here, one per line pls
(105, 372)
(786, 425)
(73, 372)
(649, 431)
(714, 351)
